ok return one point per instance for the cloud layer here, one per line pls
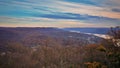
(60, 13)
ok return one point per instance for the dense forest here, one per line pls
(56, 48)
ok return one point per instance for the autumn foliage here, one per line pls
(46, 55)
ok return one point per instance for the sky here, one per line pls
(59, 13)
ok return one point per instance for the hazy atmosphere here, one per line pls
(59, 33)
(59, 13)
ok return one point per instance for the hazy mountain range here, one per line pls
(90, 30)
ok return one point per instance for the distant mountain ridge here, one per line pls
(90, 30)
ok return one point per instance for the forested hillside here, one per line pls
(56, 48)
(36, 36)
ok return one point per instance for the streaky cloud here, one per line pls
(60, 12)
(115, 10)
